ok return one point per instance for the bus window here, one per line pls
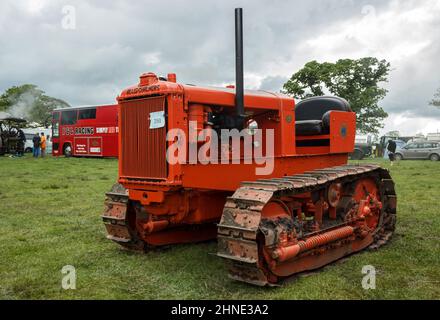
(68, 117)
(87, 114)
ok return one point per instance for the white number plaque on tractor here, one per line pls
(157, 120)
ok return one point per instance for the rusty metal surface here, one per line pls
(116, 221)
(241, 221)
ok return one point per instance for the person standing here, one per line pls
(20, 143)
(43, 145)
(391, 151)
(36, 140)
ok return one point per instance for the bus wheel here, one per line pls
(67, 151)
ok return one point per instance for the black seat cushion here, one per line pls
(313, 114)
(309, 127)
(314, 108)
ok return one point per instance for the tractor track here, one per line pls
(116, 221)
(241, 221)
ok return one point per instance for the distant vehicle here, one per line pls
(363, 147)
(9, 133)
(399, 145)
(90, 131)
(381, 148)
(419, 151)
(433, 137)
(30, 133)
(361, 150)
(28, 145)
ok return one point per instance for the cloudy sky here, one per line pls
(86, 52)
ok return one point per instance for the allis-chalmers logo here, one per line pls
(143, 89)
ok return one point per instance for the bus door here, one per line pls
(86, 143)
(56, 133)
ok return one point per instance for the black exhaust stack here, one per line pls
(239, 74)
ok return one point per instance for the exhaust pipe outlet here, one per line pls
(239, 69)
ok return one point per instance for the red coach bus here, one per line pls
(90, 131)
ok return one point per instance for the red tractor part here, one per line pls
(307, 209)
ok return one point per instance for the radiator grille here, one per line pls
(143, 149)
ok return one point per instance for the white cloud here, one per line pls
(114, 43)
(409, 125)
(34, 6)
(395, 33)
(151, 58)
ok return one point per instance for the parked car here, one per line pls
(381, 147)
(29, 145)
(419, 150)
(399, 145)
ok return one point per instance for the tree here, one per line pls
(12, 95)
(355, 80)
(436, 100)
(31, 103)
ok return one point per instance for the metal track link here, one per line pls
(240, 224)
(116, 220)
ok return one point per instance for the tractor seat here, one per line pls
(313, 114)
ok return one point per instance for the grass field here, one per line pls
(50, 217)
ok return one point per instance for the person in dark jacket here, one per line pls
(20, 143)
(392, 150)
(36, 140)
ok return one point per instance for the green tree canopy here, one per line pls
(31, 103)
(355, 80)
(436, 100)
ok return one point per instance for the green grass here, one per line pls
(50, 217)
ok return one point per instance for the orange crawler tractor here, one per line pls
(308, 210)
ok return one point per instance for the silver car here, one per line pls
(419, 151)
